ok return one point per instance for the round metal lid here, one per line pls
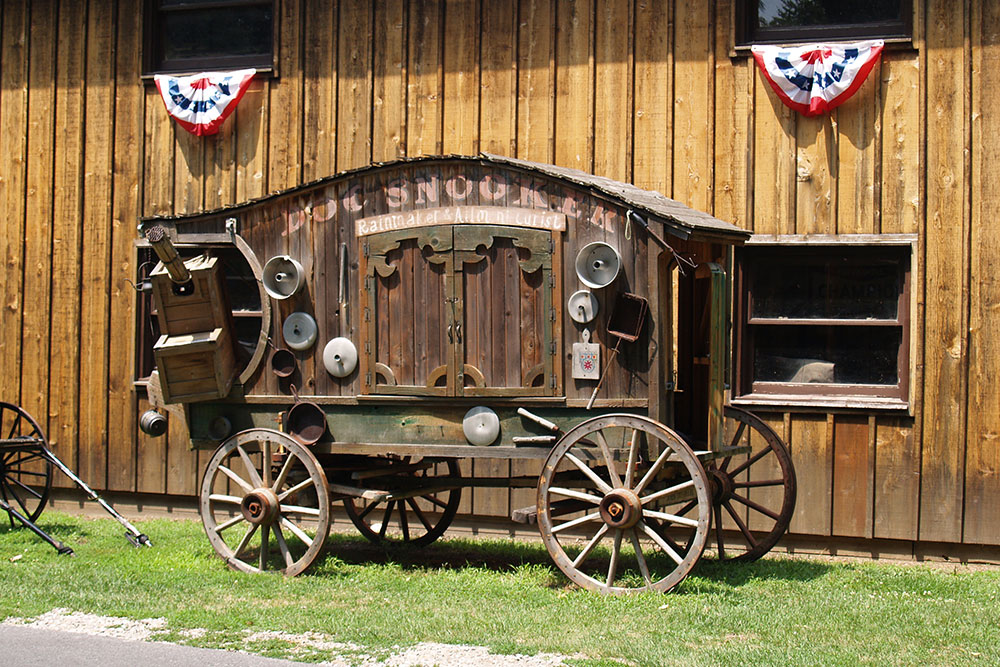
(340, 357)
(481, 426)
(300, 331)
(582, 306)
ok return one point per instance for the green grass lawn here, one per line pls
(509, 597)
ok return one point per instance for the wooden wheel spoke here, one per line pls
(386, 517)
(19, 473)
(720, 542)
(295, 489)
(613, 565)
(755, 506)
(747, 535)
(759, 483)
(266, 462)
(609, 462)
(223, 498)
(251, 529)
(660, 542)
(298, 509)
(265, 538)
(578, 495)
(668, 491)
(739, 434)
(251, 468)
(296, 531)
(26, 488)
(240, 482)
(229, 524)
(279, 537)
(653, 471)
(283, 473)
(403, 525)
(633, 459)
(368, 508)
(590, 545)
(750, 461)
(585, 469)
(593, 516)
(640, 559)
(25, 457)
(420, 514)
(435, 501)
(672, 518)
(14, 425)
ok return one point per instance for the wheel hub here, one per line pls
(621, 509)
(260, 506)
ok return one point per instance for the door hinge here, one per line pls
(552, 381)
(364, 247)
(552, 245)
(552, 348)
(552, 314)
(552, 281)
(368, 315)
(368, 379)
(368, 347)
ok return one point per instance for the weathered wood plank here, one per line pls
(251, 141)
(815, 167)
(321, 71)
(982, 471)
(13, 140)
(65, 348)
(536, 80)
(897, 479)
(812, 455)
(38, 195)
(652, 96)
(947, 287)
(574, 102)
(354, 84)
(858, 138)
(734, 81)
(498, 78)
(423, 115)
(129, 152)
(284, 155)
(773, 162)
(389, 80)
(97, 243)
(853, 476)
(460, 106)
(901, 143)
(693, 109)
(613, 85)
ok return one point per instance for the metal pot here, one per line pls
(282, 362)
(305, 421)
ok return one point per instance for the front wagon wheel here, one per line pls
(265, 504)
(607, 501)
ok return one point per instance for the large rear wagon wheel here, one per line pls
(265, 504)
(25, 471)
(753, 495)
(417, 519)
(614, 481)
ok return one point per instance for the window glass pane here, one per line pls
(207, 33)
(827, 354)
(782, 13)
(826, 288)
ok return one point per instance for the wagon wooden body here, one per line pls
(434, 311)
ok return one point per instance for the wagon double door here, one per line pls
(460, 310)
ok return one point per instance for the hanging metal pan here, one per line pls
(305, 421)
(282, 362)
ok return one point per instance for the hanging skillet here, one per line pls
(305, 421)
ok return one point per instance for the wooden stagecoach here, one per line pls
(363, 338)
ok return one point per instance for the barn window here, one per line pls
(823, 324)
(197, 35)
(784, 21)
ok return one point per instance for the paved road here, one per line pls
(35, 647)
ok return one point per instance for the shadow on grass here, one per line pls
(509, 556)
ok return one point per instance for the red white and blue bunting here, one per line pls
(200, 103)
(817, 77)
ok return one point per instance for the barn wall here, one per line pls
(640, 91)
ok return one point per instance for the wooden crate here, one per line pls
(203, 307)
(197, 366)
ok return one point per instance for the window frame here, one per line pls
(899, 397)
(153, 62)
(748, 33)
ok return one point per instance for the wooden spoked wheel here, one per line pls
(25, 471)
(265, 503)
(416, 516)
(614, 482)
(753, 494)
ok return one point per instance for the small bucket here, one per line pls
(282, 363)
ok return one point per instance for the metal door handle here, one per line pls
(451, 339)
(458, 332)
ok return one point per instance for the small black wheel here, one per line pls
(25, 471)
(417, 516)
(621, 477)
(265, 503)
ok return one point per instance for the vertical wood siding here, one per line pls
(633, 89)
